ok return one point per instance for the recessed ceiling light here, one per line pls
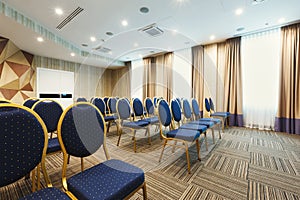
(266, 24)
(72, 54)
(124, 22)
(40, 39)
(239, 11)
(281, 20)
(93, 39)
(255, 2)
(144, 10)
(212, 37)
(136, 44)
(240, 29)
(59, 11)
(84, 45)
(152, 51)
(140, 55)
(109, 33)
(110, 52)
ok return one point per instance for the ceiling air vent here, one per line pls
(152, 30)
(69, 18)
(103, 49)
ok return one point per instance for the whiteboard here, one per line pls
(55, 83)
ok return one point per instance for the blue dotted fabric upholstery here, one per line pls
(138, 107)
(47, 194)
(81, 99)
(151, 120)
(184, 134)
(100, 104)
(136, 124)
(123, 109)
(195, 107)
(53, 145)
(30, 102)
(187, 109)
(110, 118)
(164, 113)
(22, 141)
(112, 103)
(176, 112)
(206, 123)
(207, 105)
(221, 114)
(197, 127)
(178, 100)
(149, 106)
(112, 179)
(50, 113)
(82, 130)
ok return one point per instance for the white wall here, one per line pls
(137, 73)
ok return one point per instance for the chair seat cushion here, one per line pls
(53, 145)
(112, 179)
(136, 124)
(184, 134)
(221, 114)
(152, 120)
(208, 124)
(47, 194)
(197, 127)
(214, 120)
(110, 118)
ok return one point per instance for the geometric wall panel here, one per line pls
(16, 72)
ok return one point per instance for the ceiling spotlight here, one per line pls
(144, 10)
(59, 11)
(40, 39)
(136, 44)
(281, 20)
(93, 39)
(239, 11)
(124, 23)
(212, 37)
(84, 45)
(109, 33)
(72, 54)
(255, 2)
(240, 29)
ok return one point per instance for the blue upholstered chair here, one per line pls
(100, 104)
(187, 112)
(112, 105)
(23, 149)
(138, 109)
(149, 107)
(81, 99)
(81, 132)
(125, 122)
(30, 102)
(197, 116)
(50, 112)
(210, 108)
(176, 113)
(105, 99)
(180, 136)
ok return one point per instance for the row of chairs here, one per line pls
(81, 132)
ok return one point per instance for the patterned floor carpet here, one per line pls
(244, 164)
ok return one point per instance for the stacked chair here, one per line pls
(210, 108)
(125, 122)
(139, 111)
(178, 135)
(81, 132)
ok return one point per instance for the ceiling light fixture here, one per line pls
(136, 44)
(212, 37)
(72, 54)
(93, 39)
(124, 22)
(239, 11)
(240, 29)
(59, 11)
(144, 10)
(40, 39)
(281, 20)
(255, 2)
(109, 33)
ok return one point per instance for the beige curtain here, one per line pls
(168, 76)
(233, 81)
(221, 77)
(149, 78)
(197, 75)
(288, 114)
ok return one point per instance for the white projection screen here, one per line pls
(55, 84)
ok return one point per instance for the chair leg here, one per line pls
(134, 141)
(206, 142)
(108, 125)
(198, 149)
(173, 148)
(144, 192)
(162, 151)
(219, 131)
(33, 180)
(149, 138)
(82, 165)
(187, 157)
(213, 135)
(120, 134)
(68, 159)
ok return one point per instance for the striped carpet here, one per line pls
(244, 164)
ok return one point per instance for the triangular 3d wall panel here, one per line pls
(16, 72)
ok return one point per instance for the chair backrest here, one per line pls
(164, 113)
(196, 109)
(155, 101)
(30, 102)
(112, 105)
(123, 109)
(187, 111)
(211, 103)
(24, 142)
(176, 112)
(105, 99)
(179, 101)
(99, 103)
(81, 130)
(81, 99)
(207, 105)
(50, 112)
(138, 108)
(149, 106)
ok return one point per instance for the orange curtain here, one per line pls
(288, 114)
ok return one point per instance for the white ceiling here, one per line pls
(185, 23)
